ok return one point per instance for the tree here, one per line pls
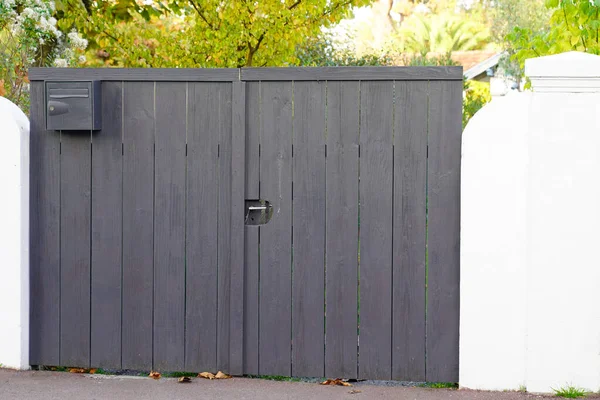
(207, 33)
(443, 34)
(574, 26)
(29, 38)
(505, 15)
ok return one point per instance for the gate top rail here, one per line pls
(353, 74)
(250, 74)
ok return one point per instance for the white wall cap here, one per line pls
(571, 72)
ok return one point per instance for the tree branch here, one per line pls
(201, 14)
(294, 5)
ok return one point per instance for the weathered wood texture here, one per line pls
(107, 219)
(202, 229)
(44, 253)
(375, 267)
(139, 254)
(75, 196)
(351, 74)
(275, 314)
(444, 140)
(169, 223)
(308, 267)
(136, 74)
(341, 220)
(138, 224)
(410, 173)
(251, 233)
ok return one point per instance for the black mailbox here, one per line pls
(73, 106)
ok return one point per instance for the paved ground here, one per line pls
(43, 385)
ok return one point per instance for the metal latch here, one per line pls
(258, 212)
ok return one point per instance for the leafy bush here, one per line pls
(29, 38)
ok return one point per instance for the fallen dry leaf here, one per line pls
(93, 370)
(184, 379)
(354, 391)
(77, 370)
(222, 375)
(154, 375)
(2, 89)
(206, 375)
(335, 382)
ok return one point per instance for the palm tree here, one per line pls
(442, 34)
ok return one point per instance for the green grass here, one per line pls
(523, 389)
(278, 378)
(439, 385)
(179, 374)
(569, 392)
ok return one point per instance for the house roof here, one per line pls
(481, 67)
(469, 59)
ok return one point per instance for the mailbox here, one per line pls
(73, 106)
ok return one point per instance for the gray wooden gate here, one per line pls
(139, 254)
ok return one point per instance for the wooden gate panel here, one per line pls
(308, 204)
(107, 231)
(375, 230)
(410, 174)
(443, 301)
(341, 220)
(138, 224)
(169, 222)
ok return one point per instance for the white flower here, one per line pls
(52, 21)
(29, 13)
(82, 59)
(61, 63)
(77, 41)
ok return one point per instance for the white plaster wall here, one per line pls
(530, 240)
(564, 240)
(14, 236)
(493, 251)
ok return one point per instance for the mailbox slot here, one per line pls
(73, 106)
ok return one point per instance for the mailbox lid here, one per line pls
(73, 105)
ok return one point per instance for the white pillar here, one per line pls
(530, 270)
(14, 237)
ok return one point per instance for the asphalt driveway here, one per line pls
(46, 385)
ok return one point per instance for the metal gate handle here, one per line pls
(258, 212)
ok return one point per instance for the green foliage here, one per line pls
(320, 52)
(573, 26)
(440, 385)
(277, 378)
(29, 38)
(207, 33)
(570, 392)
(477, 94)
(505, 15)
(442, 34)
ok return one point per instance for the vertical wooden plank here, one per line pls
(251, 233)
(107, 203)
(138, 224)
(341, 339)
(410, 173)
(224, 229)
(205, 113)
(44, 256)
(375, 230)
(236, 289)
(308, 269)
(443, 190)
(275, 237)
(75, 222)
(169, 226)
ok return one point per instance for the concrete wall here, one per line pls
(530, 271)
(14, 236)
